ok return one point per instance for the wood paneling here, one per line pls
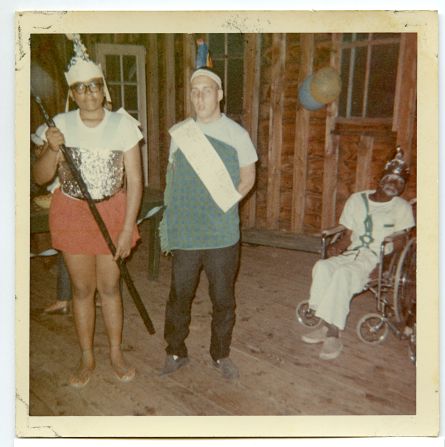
(301, 148)
(154, 169)
(251, 102)
(364, 158)
(189, 64)
(275, 130)
(331, 152)
(170, 90)
(306, 164)
(406, 95)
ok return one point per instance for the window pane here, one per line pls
(131, 97)
(130, 68)
(382, 82)
(361, 36)
(359, 81)
(236, 44)
(216, 44)
(113, 68)
(235, 88)
(115, 92)
(378, 36)
(345, 62)
(218, 68)
(347, 37)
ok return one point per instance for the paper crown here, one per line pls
(397, 165)
(81, 67)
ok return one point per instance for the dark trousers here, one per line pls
(63, 280)
(220, 266)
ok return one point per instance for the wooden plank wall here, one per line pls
(309, 162)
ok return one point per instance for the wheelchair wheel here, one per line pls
(372, 329)
(306, 316)
(404, 295)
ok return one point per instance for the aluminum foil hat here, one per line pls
(397, 166)
(81, 68)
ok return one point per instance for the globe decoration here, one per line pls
(305, 96)
(326, 85)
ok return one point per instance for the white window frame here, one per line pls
(139, 51)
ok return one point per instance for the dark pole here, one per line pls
(103, 229)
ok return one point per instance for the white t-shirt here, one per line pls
(77, 134)
(230, 132)
(386, 218)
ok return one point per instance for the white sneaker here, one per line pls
(332, 346)
(316, 336)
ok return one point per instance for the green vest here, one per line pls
(192, 220)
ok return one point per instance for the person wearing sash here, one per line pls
(211, 167)
(105, 148)
(369, 216)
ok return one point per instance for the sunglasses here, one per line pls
(92, 87)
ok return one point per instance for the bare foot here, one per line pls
(122, 371)
(84, 371)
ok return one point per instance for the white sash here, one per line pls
(205, 161)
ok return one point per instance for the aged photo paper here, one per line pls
(424, 421)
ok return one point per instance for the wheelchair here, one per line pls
(393, 283)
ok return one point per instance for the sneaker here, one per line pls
(331, 349)
(316, 336)
(173, 363)
(227, 368)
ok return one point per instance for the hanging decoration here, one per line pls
(320, 88)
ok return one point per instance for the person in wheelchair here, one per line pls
(369, 216)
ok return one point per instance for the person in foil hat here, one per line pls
(369, 216)
(105, 149)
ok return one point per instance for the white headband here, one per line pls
(209, 74)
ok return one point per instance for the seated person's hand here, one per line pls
(335, 249)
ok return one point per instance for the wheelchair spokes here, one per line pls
(372, 329)
(306, 316)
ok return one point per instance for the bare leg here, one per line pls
(82, 269)
(108, 286)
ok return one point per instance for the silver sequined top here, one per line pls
(103, 173)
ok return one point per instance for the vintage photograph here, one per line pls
(222, 221)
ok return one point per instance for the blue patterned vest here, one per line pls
(192, 220)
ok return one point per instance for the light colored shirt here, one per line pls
(384, 218)
(227, 131)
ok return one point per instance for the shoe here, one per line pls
(57, 309)
(331, 349)
(227, 368)
(173, 363)
(316, 336)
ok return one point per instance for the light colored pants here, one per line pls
(336, 280)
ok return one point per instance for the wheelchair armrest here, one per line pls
(329, 236)
(333, 230)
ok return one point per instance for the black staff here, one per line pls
(103, 229)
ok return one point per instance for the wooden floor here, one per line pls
(280, 375)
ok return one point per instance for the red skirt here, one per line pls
(74, 230)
